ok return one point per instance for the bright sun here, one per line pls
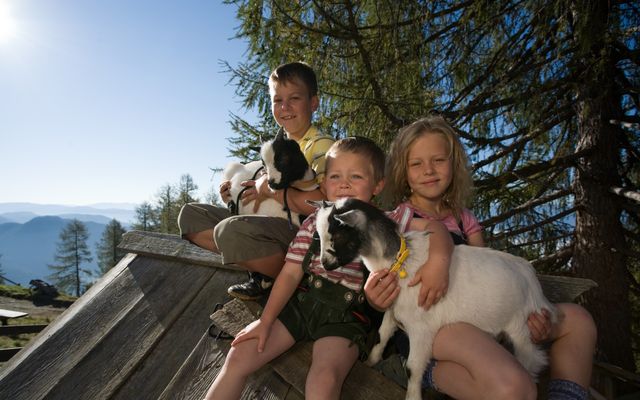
(8, 28)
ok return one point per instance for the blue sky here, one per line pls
(106, 101)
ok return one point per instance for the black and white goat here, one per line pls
(492, 290)
(286, 167)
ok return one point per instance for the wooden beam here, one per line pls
(564, 289)
(8, 330)
(170, 247)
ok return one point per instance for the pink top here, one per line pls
(406, 212)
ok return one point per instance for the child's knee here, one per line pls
(577, 321)
(323, 382)
(236, 362)
(513, 384)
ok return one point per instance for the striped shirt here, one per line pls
(350, 275)
(405, 212)
(314, 146)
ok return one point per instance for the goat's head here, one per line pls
(340, 238)
(350, 228)
(284, 161)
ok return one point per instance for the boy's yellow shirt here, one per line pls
(314, 146)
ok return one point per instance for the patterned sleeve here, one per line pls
(470, 222)
(300, 244)
(402, 216)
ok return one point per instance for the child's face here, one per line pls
(292, 107)
(349, 175)
(429, 167)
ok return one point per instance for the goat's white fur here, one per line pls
(237, 173)
(492, 290)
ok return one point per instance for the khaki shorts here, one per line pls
(317, 311)
(240, 237)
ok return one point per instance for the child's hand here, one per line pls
(262, 191)
(540, 326)
(225, 194)
(381, 289)
(258, 329)
(435, 282)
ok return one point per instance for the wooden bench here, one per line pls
(6, 315)
(141, 331)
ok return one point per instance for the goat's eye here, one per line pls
(332, 252)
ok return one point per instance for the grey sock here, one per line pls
(560, 389)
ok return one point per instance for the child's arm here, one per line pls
(283, 288)
(475, 239)
(434, 274)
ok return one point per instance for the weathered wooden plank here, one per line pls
(31, 373)
(203, 365)
(293, 365)
(175, 346)
(195, 376)
(564, 289)
(165, 289)
(172, 247)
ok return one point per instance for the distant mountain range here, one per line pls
(23, 212)
(29, 234)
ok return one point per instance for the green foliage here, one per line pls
(71, 254)
(15, 292)
(162, 214)
(544, 94)
(107, 249)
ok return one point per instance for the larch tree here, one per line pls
(146, 218)
(72, 254)
(107, 250)
(545, 97)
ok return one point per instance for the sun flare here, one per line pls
(8, 27)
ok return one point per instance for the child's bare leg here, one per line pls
(203, 239)
(244, 359)
(472, 365)
(571, 354)
(333, 358)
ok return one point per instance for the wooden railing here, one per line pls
(11, 330)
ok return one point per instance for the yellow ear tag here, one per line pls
(402, 255)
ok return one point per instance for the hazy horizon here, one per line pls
(108, 101)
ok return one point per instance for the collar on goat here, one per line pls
(402, 255)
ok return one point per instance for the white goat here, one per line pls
(492, 290)
(286, 167)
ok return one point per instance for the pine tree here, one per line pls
(107, 249)
(71, 254)
(167, 209)
(146, 218)
(545, 96)
(186, 191)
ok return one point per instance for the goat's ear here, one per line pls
(353, 218)
(280, 134)
(319, 203)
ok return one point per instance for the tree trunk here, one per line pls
(599, 242)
